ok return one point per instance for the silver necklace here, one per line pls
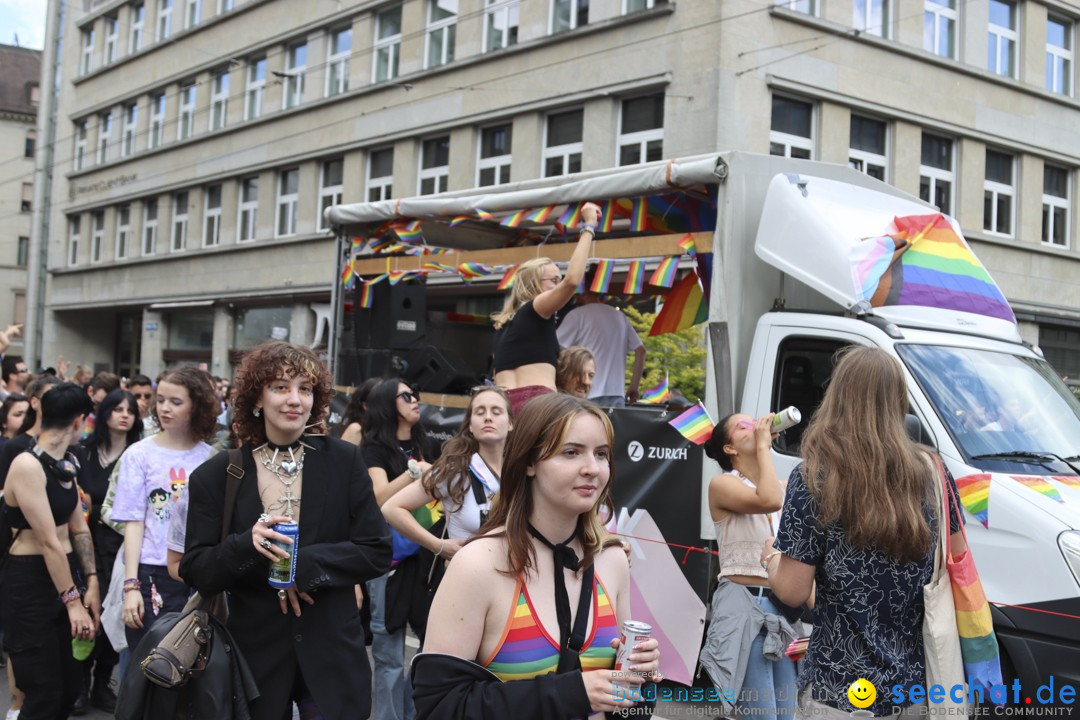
(287, 472)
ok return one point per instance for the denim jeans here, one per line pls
(393, 691)
(769, 685)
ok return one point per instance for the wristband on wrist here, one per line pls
(768, 558)
(132, 584)
(442, 544)
(590, 227)
(72, 593)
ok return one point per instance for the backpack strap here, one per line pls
(234, 474)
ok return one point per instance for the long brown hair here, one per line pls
(539, 432)
(266, 363)
(204, 404)
(452, 466)
(526, 287)
(860, 465)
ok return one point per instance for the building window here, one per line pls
(80, 144)
(150, 224)
(185, 124)
(441, 32)
(493, 166)
(105, 123)
(288, 189)
(937, 174)
(193, 14)
(256, 89)
(641, 130)
(331, 186)
(380, 183)
(30, 144)
(123, 231)
(127, 143)
(86, 60)
(212, 217)
(219, 99)
(1055, 206)
(295, 70)
(792, 133)
(164, 19)
(872, 16)
(249, 208)
(180, 222)
(97, 236)
(998, 193)
(501, 19)
(631, 6)
(27, 202)
(804, 6)
(939, 27)
(568, 14)
(135, 33)
(1059, 56)
(110, 40)
(157, 120)
(337, 76)
(225, 6)
(22, 253)
(1003, 39)
(73, 240)
(434, 165)
(867, 151)
(387, 44)
(563, 143)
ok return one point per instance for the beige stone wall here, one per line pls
(15, 170)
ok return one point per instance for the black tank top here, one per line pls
(62, 501)
(526, 339)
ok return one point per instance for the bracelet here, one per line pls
(134, 583)
(587, 226)
(132, 588)
(442, 544)
(770, 556)
(72, 593)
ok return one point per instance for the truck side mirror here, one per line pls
(916, 431)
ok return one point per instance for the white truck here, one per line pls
(793, 281)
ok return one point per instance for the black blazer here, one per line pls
(343, 541)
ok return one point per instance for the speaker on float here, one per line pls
(359, 364)
(397, 318)
(437, 370)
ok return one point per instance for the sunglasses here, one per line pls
(143, 396)
(409, 396)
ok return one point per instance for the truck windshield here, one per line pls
(1006, 413)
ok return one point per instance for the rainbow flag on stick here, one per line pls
(639, 215)
(695, 424)
(975, 496)
(602, 276)
(357, 246)
(683, 307)
(664, 275)
(656, 395)
(348, 274)
(508, 278)
(635, 278)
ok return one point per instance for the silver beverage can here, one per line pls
(283, 570)
(631, 633)
(786, 418)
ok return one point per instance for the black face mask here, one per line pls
(65, 470)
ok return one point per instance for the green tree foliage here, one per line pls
(681, 355)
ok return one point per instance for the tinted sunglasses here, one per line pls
(409, 396)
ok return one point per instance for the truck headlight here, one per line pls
(1069, 542)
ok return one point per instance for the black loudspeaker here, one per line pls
(397, 318)
(436, 370)
(357, 365)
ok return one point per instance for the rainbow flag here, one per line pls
(975, 496)
(508, 277)
(695, 424)
(658, 394)
(428, 515)
(410, 232)
(458, 220)
(1073, 482)
(540, 215)
(664, 275)
(571, 216)
(438, 267)
(602, 276)
(471, 271)
(927, 264)
(607, 216)
(688, 246)
(484, 214)
(639, 215)
(514, 219)
(357, 246)
(348, 274)
(684, 307)
(635, 278)
(366, 295)
(1039, 485)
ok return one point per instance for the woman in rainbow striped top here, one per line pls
(543, 575)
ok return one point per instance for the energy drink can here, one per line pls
(283, 570)
(632, 632)
(788, 417)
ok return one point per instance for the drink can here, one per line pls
(283, 570)
(788, 417)
(81, 648)
(631, 633)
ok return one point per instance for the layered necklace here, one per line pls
(285, 462)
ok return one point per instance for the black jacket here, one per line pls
(343, 541)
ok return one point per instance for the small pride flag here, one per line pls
(1039, 485)
(635, 278)
(514, 219)
(602, 276)
(507, 281)
(656, 395)
(366, 296)
(571, 216)
(357, 246)
(607, 216)
(410, 232)
(664, 275)
(540, 215)
(688, 246)
(472, 271)
(458, 220)
(438, 267)
(975, 496)
(695, 424)
(484, 214)
(639, 215)
(348, 274)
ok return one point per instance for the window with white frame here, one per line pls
(225, 6)
(80, 143)
(295, 72)
(1059, 55)
(31, 143)
(792, 129)
(22, 252)
(434, 165)
(249, 209)
(73, 240)
(501, 20)
(150, 226)
(563, 142)
(380, 180)
(999, 192)
(105, 128)
(1002, 38)
(219, 99)
(331, 186)
(630, 6)
(86, 58)
(97, 235)
(185, 124)
(1055, 205)
(27, 203)
(157, 120)
(872, 16)
(123, 231)
(164, 19)
(111, 34)
(568, 14)
(940, 19)
(212, 216)
(868, 147)
(288, 194)
(641, 129)
(180, 222)
(193, 13)
(337, 61)
(809, 7)
(937, 172)
(131, 118)
(256, 89)
(441, 32)
(387, 44)
(137, 20)
(493, 165)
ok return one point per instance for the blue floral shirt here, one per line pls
(869, 608)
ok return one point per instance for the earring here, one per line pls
(257, 412)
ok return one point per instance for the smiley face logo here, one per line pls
(862, 693)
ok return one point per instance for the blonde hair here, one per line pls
(526, 287)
